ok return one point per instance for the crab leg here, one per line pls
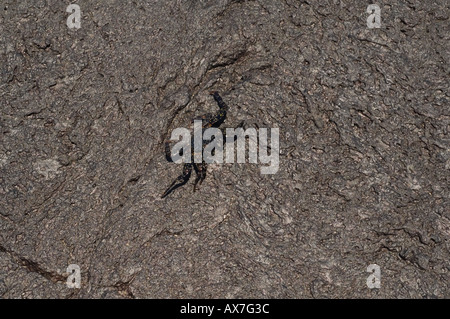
(180, 180)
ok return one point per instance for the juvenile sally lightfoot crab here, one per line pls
(208, 120)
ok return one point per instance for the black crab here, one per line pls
(208, 120)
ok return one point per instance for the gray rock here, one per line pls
(364, 165)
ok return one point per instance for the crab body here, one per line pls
(208, 120)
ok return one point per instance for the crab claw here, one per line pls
(213, 92)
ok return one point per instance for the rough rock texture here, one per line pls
(364, 165)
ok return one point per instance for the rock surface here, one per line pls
(364, 162)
